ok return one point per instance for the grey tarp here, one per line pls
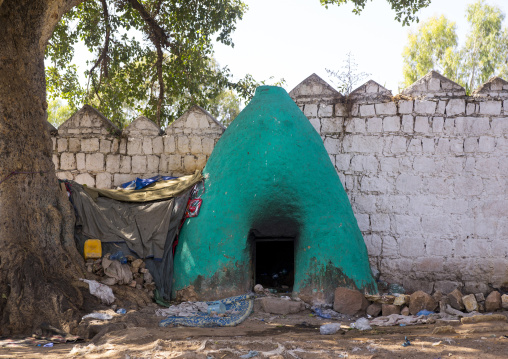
(147, 230)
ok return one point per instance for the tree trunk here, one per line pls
(38, 258)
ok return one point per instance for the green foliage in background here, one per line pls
(435, 47)
(151, 58)
(58, 112)
(405, 10)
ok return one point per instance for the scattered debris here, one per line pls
(361, 324)
(328, 329)
(280, 306)
(97, 315)
(101, 291)
(117, 269)
(250, 354)
(406, 342)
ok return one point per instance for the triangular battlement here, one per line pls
(142, 126)
(369, 91)
(195, 117)
(312, 87)
(433, 84)
(87, 121)
(495, 87)
(52, 129)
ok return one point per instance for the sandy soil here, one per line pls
(275, 336)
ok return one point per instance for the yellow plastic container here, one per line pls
(93, 249)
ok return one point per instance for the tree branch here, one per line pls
(103, 58)
(52, 16)
(160, 39)
(158, 33)
(160, 57)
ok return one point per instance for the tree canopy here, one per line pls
(150, 57)
(435, 46)
(405, 10)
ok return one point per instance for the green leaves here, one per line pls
(405, 10)
(125, 78)
(432, 46)
(484, 54)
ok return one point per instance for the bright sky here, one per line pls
(292, 39)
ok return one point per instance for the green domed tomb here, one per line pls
(274, 211)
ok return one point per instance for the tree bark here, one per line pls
(38, 258)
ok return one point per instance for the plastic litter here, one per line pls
(361, 324)
(48, 345)
(95, 315)
(119, 257)
(396, 289)
(424, 312)
(121, 311)
(406, 342)
(320, 313)
(328, 329)
(101, 291)
(217, 307)
(250, 354)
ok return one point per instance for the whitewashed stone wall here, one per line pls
(427, 175)
(91, 150)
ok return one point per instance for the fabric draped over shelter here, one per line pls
(143, 222)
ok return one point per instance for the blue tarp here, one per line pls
(140, 183)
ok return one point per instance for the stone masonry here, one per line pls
(427, 175)
(426, 171)
(91, 150)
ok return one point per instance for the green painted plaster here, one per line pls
(270, 175)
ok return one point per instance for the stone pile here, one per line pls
(352, 302)
(133, 273)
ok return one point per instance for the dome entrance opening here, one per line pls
(274, 263)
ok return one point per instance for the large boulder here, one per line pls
(493, 301)
(455, 299)
(281, 306)
(420, 300)
(349, 301)
(470, 303)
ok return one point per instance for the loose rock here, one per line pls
(389, 309)
(281, 306)
(470, 303)
(455, 299)
(479, 297)
(350, 302)
(401, 300)
(420, 300)
(374, 309)
(493, 301)
(504, 301)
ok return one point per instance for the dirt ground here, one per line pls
(275, 336)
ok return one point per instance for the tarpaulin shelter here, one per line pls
(142, 223)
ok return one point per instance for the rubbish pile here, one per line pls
(117, 269)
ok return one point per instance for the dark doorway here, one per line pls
(275, 263)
